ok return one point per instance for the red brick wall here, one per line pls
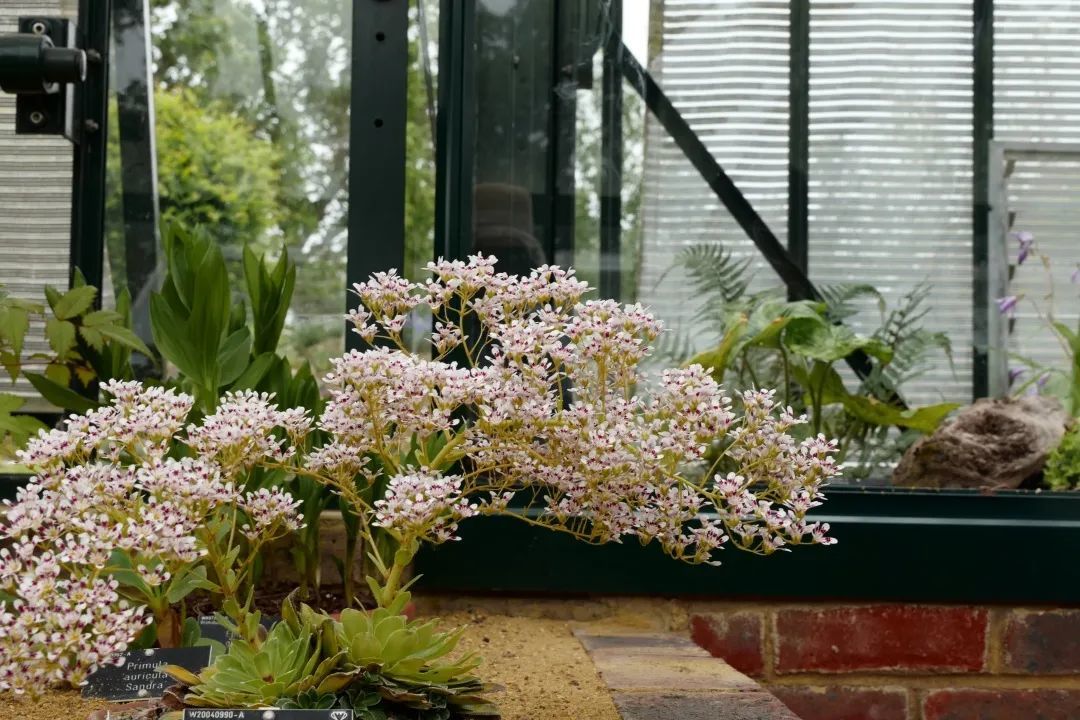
(903, 662)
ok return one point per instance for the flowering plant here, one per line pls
(533, 404)
(1063, 383)
(117, 528)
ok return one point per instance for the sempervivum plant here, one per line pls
(378, 664)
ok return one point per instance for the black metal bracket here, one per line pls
(42, 65)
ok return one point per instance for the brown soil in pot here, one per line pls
(542, 669)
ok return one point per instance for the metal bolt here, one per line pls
(91, 126)
(38, 28)
(37, 117)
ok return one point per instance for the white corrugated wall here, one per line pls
(35, 202)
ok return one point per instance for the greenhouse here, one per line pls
(530, 359)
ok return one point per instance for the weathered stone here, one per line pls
(995, 443)
(758, 705)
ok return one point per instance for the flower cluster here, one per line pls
(423, 505)
(64, 627)
(551, 408)
(114, 525)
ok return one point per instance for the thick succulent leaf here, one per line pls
(180, 674)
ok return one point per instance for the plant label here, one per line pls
(224, 714)
(137, 676)
(211, 629)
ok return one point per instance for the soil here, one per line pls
(541, 670)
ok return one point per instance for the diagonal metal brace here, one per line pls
(798, 284)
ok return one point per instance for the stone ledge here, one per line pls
(659, 676)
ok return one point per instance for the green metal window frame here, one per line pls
(894, 544)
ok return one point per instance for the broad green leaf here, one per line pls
(14, 323)
(59, 373)
(101, 317)
(186, 582)
(716, 360)
(828, 343)
(1070, 337)
(19, 427)
(822, 379)
(171, 337)
(120, 334)
(93, 338)
(52, 296)
(233, 359)
(61, 336)
(255, 372)
(75, 302)
(60, 395)
(870, 410)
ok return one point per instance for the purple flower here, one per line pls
(1025, 240)
(1075, 277)
(1039, 385)
(1007, 305)
(1014, 374)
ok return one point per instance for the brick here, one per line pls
(735, 637)
(701, 706)
(1002, 705)
(657, 663)
(887, 638)
(1043, 642)
(657, 673)
(843, 703)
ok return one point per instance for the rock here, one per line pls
(995, 443)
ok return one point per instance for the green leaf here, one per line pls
(125, 337)
(186, 581)
(870, 410)
(59, 373)
(233, 359)
(828, 343)
(124, 573)
(717, 359)
(20, 428)
(255, 372)
(14, 324)
(92, 338)
(101, 317)
(170, 336)
(53, 296)
(60, 395)
(61, 336)
(75, 302)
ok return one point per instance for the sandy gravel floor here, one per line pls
(543, 672)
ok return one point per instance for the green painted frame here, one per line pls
(894, 545)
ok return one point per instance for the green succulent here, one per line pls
(384, 654)
(379, 664)
(259, 674)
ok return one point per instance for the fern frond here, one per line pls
(715, 271)
(838, 299)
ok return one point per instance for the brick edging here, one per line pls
(660, 676)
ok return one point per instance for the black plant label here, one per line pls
(226, 714)
(137, 677)
(211, 629)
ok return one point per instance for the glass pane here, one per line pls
(890, 171)
(514, 212)
(420, 157)
(252, 106)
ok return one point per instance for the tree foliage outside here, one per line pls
(252, 114)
